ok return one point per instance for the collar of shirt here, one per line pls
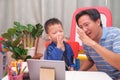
(104, 32)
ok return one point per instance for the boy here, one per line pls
(58, 49)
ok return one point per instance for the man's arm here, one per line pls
(87, 64)
(109, 56)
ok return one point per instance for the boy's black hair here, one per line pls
(92, 13)
(51, 21)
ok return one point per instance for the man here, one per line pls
(101, 44)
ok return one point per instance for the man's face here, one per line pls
(90, 27)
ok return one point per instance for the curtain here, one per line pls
(38, 11)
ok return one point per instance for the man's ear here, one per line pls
(98, 22)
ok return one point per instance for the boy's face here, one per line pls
(54, 32)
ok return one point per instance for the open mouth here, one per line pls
(88, 34)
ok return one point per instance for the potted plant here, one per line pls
(21, 37)
(31, 34)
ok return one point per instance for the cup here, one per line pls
(17, 77)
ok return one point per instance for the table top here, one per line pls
(83, 75)
(87, 75)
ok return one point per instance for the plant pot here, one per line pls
(31, 51)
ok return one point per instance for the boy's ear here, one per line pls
(47, 35)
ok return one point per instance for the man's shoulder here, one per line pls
(112, 33)
(113, 30)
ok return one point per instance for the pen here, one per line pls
(19, 68)
(24, 69)
(16, 66)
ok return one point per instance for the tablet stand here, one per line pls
(47, 73)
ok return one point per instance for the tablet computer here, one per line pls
(34, 66)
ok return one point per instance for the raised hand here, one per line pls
(84, 38)
(60, 43)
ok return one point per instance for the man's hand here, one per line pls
(84, 38)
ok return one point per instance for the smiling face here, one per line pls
(90, 27)
(54, 31)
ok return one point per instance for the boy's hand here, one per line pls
(70, 68)
(60, 43)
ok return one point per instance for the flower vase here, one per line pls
(31, 51)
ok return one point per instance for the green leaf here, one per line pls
(28, 57)
(34, 33)
(6, 43)
(30, 27)
(37, 31)
(21, 46)
(6, 36)
(11, 31)
(19, 27)
(17, 41)
(25, 51)
(14, 56)
(17, 50)
(17, 24)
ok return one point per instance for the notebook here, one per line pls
(34, 67)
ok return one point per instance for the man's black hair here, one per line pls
(92, 13)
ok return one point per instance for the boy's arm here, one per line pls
(71, 58)
(53, 54)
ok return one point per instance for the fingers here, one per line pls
(60, 44)
(84, 38)
(81, 33)
(59, 38)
